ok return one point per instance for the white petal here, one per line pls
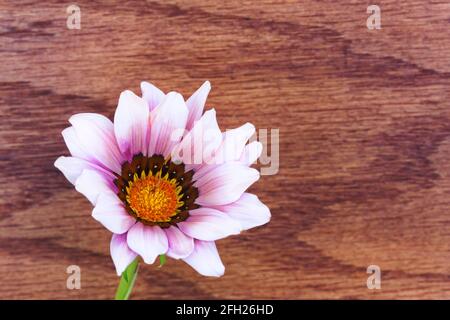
(205, 259)
(131, 124)
(121, 254)
(151, 94)
(148, 241)
(92, 183)
(233, 143)
(249, 211)
(109, 211)
(209, 224)
(223, 184)
(200, 143)
(95, 134)
(196, 104)
(73, 144)
(180, 245)
(168, 122)
(251, 153)
(72, 167)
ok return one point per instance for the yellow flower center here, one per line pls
(154, 198)
(156, 191)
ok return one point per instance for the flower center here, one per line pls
(156, 191)
(154, 198)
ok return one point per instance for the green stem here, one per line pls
(127, 280)
(162, 260)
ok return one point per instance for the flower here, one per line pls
(152, 187)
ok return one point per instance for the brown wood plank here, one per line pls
(364, 119)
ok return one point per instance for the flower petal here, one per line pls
(180, 245)
(151, 94)
(148, 241)
(95, 134)
(205, 259)
(209, 224)
(198, 144)
(73, 144)
(91, 184)
(196, 104)
(121, 254)
(234, 141)
(109, 211)
(131, 124)
(168, 122)
(251, 153)
(249, 211)
(72, 167)
(224, 183)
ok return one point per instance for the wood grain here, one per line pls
(364, 119)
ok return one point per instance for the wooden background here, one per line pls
(364, 119)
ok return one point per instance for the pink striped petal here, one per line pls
(109, 211)
(196, 104)
(180, 245)
(249, 211)
(209, 224)
(148, 241)
(168, 122)
(224, 183)
(91, 184)
(72, 168)
(205, 259)
(121, 254)
(131, 124)
(95, 134)
(152, 95)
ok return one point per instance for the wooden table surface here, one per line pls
(364, 120)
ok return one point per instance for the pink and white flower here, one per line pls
(141, 175)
